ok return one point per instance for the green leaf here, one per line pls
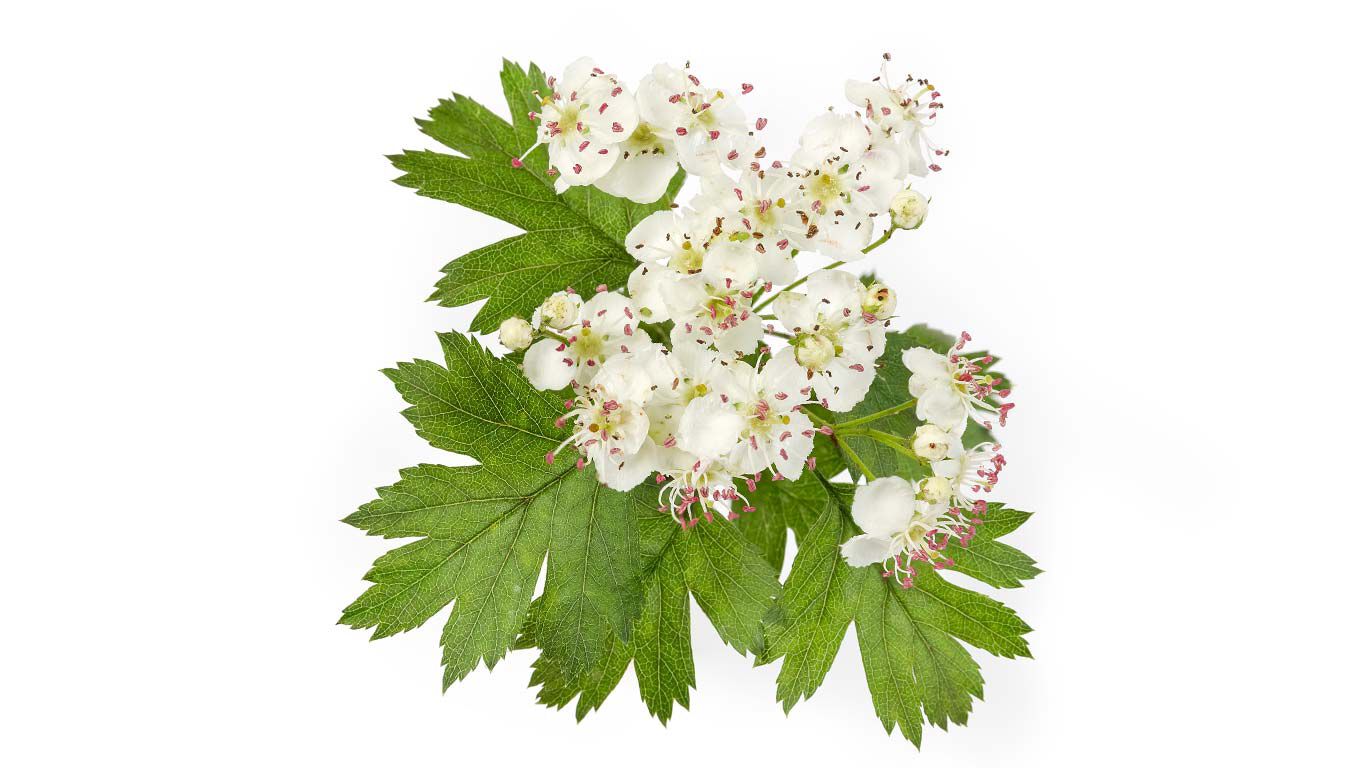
(591, 686)
(915, 671)
(592, 585)
(813, 610)
(485, 530)
(661, 643)
(988, 560)
(676, 563)
(575, 239)
(732, 582)
(993, 563)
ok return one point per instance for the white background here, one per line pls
(1153, 213)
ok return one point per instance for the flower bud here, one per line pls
(814, 351)
(515, 333)
(879, 301)
(561, 310)
(930, 442)
(935, 490)
(909, 208)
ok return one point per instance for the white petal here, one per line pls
(730, 265)
(835, 291)
(625, 474)
(609, 119)
(645, 285)
(941, 405)
(866, 550)
(545, 367)
(796, 311)
(639, 178)
(797, 446)
(842, 387)
(649, 240)
(885, 506)
(575, 76)
(710, 428)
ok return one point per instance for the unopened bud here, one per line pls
(561, 310)
(515, 333)
(814, 351)
(909, 208)
(935, 490)
(879, 301)
(930, 442)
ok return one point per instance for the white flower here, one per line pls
(707, 125)
(607, 328)
(583, 122)
(969, 473)
(559, 311)
(647, 164)
(675, 238)
(844, 182)
(611, 426)
(832, 339)
(774, 433)
(950, 388)
(514, 333)
(897, 527)
(696, 488)
(758, 209)
(908, 209)
(932, 443)
(719, 320)
(902, 111)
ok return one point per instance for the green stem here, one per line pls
(871, 247)
(844, 446)
(882, 414)
(789, 287)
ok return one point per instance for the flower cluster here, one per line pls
(904, 521)
(699, 373)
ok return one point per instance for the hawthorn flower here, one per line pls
(774, 433)
(844, 182)
(903, 112)
(692, 489)
(514, 333)
(709, 317)
(675, 238)
(709, 129)
(583, 122)
(898, 528)
(950, 388)
(833, 340)
(607, 328)
(969, 472)
(758, 209)
(611, 427)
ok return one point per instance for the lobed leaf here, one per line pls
(571, 239)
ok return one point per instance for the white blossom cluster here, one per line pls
(697, 374)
